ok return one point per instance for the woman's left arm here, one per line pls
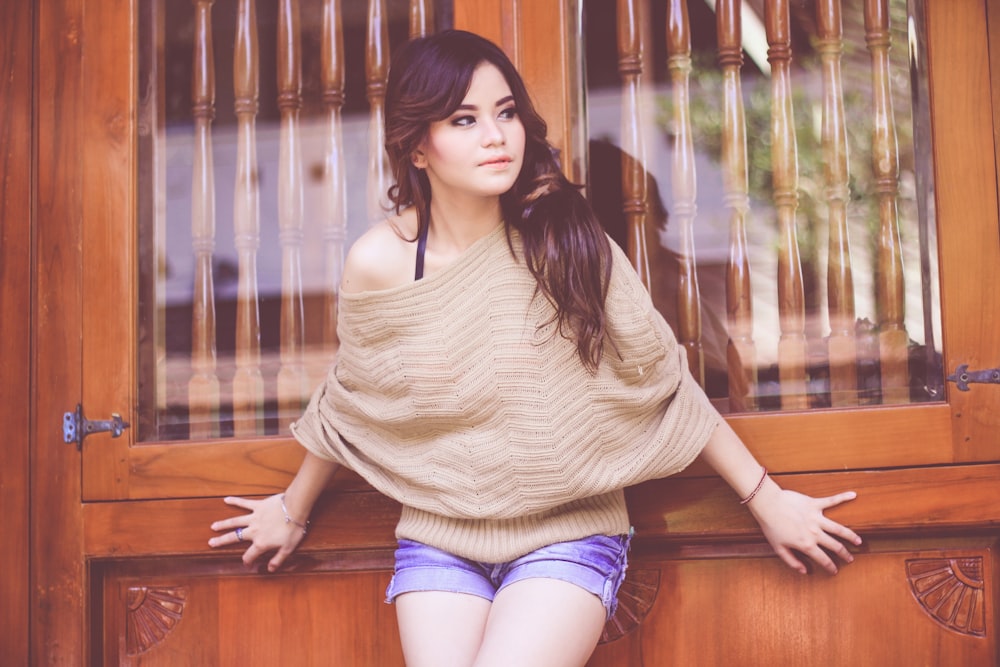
(791, 522)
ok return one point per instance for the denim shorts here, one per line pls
(596, 564)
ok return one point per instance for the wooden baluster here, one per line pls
(203, 387)
(293, 385)
(335, 186)
(684, 187)
(742, 352)
(248, 384)
(376, 72)
(842, 344)
(893, 339)
(421, 18)
(784, 163)
(634, 204)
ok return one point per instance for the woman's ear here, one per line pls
(419, 159)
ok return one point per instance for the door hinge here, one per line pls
(76, 427)
(963, 377)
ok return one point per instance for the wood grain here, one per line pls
(965, 182)
(686, 511)
(16, 224)
(57, 574)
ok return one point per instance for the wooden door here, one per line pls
(16, 174)
(704, 588)
(123, 571)
(125, 574)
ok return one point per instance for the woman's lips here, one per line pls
(496, 162)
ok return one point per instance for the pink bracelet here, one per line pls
(757, 489)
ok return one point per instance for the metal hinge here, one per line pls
(76, 427)
(963, 377)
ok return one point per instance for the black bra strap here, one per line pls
(421, 249)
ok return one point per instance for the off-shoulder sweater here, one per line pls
(456, 396)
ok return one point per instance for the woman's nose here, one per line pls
(492, 134)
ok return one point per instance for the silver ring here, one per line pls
(239, 534)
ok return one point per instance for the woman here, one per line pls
(503, 375)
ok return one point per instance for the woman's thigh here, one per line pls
(549, 611)
(441, 629)
(541, 622)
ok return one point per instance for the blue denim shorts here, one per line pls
(596, 564)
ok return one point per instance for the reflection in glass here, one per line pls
(255, 121)
(786, 156)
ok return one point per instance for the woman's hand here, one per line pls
(265, 528)
(793, 522)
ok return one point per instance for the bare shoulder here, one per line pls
(381, 258)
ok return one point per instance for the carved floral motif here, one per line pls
(635, 598)
(951, 590)
(152, 613)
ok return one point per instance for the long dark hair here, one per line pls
(565, 247)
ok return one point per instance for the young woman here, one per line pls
(503, 375)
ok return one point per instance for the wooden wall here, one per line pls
(15, 247)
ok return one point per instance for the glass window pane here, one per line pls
(254, 176)
(816, 274)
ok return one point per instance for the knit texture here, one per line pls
(456, 396)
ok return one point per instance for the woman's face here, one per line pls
(479, 149)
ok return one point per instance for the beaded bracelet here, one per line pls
(288, 519)
(757, 489)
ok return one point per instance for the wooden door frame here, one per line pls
(58, 579)
(16, 171)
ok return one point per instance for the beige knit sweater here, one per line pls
(451, 397)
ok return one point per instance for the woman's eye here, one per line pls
(463, 121)
(508, 113)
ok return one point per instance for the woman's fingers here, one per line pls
(278, 559)
(834, 546)
(246, 503)
(236, 533)
(791, 560)
(252, 554)
(832, 527)
(230, 524)
(236, 524)
(237, 521)
(263, 529)
(800, 531)
(822, 559)
(841, 531)
(837, 499)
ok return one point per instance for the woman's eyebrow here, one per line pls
(472, 107)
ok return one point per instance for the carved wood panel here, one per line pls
(681, 604)
(198, 619)
(725, 607)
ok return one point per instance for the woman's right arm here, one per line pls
(378, 260)
(276, 522)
